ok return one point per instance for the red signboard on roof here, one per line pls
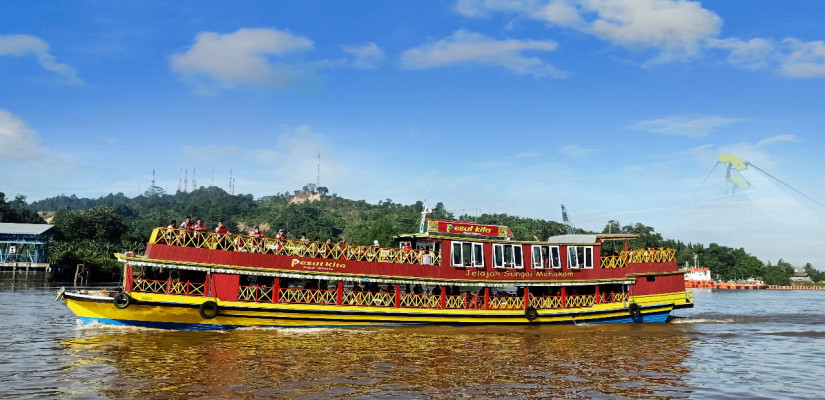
(467, 228)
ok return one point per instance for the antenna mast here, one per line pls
(318, 177)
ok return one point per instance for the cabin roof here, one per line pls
(8, 228)
(589, 238)
(583, 239)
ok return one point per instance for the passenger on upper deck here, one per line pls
(426, 259)
(168, 237)
(186, 228)
(221, 229)
(199, 226)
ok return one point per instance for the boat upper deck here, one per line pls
(438, 257)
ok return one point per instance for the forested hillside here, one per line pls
(90, 230)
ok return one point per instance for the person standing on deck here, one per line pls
(221, 236)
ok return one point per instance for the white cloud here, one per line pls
(241, 57)
(24, 45)
(575, 151)
(753, 54)
(805, 60)
(482, 8)
(562, 13)
(791, 57)
(367, 56)
(691, 127)
(777, 139)
(465, 47)
(676, 27)
(17, 140)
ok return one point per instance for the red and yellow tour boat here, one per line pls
(451, 273)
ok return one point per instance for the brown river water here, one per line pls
(745, 344)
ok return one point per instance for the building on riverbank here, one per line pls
(24, 250)
(800, 275)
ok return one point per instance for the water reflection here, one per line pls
(636, 361)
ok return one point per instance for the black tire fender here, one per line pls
(208, 309)
(634, 310)
(530, 313)
(122, 300)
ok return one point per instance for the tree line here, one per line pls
(90, 230)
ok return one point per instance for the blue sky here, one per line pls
(618, 109)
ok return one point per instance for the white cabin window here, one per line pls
(546, 257)
(539, 255)
(580, 256)
(507, 256)
(555, 256)
(468, 254)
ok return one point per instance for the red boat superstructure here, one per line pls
(454, 273)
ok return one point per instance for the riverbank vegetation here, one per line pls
(90, 230)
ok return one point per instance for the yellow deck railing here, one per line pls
(149, 286)
(581, 301)
(168, 287)
(648, 255)
(420, 300)
(369, 299)
(292, 247)
(506, 303)
(307, 296)
(546, 302)
(255, 293)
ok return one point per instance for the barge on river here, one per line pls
(451, 273)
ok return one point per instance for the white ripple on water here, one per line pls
(685, 320)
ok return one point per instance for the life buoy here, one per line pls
(635, 310)
(208, 309)
(531, 314)
(122, 300)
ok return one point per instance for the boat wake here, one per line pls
(101, 327)
(689, 320)
(299, 331)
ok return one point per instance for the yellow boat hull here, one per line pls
(184, 312)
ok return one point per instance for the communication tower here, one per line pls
(567, 227)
